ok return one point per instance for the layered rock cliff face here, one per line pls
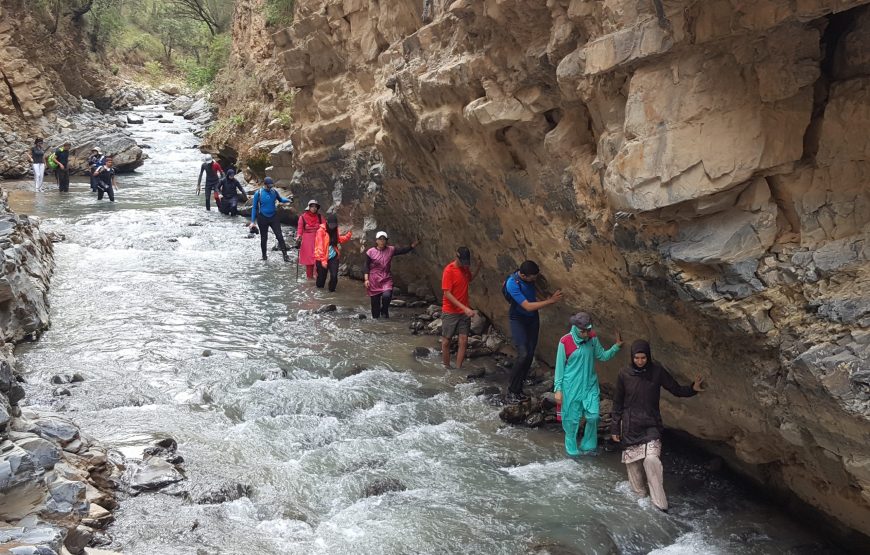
(695, 173)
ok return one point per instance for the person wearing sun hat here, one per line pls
(379, 275)
(306, 232)
(576, 383)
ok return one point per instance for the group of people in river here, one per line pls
(100, 168)
(636, 422)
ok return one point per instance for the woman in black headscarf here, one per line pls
(637, 422)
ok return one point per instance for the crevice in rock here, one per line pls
(12, 95)
(835, 27)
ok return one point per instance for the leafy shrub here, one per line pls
(279, 12)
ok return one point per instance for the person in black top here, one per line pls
(213, 174)
(228, 194)
(95, 160)
(61, 155)
(37, 158)
(637, 422)
(105, 175)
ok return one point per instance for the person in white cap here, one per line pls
(95, 161)
(306, 232)
(378, 273)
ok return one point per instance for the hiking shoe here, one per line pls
(286, 258)
(516, 398)
(265, 259)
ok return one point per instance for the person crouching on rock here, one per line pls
(326, 249)
(105, 176)
(637, 422)
(379, 275)
(306, 232)
(229, 192)
(264, 211)
(576, 383)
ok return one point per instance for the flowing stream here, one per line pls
(295, 423)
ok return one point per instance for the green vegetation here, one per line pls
(279, 12)
(159, 39)
(285, 107)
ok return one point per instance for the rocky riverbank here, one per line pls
(55, 485)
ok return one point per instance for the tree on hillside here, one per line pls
(215, 14)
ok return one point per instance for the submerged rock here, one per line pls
(382, 486)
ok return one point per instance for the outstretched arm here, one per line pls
(677, 390)
(605, 355)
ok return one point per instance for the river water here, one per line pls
(299, 415)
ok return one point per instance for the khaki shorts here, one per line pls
(454, 324)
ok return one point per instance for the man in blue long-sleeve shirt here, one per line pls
(264, 213)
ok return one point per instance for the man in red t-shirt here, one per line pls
(455, 312)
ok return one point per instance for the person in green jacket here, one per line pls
(576, 383)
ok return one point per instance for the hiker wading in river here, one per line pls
(576, 383)
(264, 215)
(379, 275)
(455, 313)
(637, 422)
(326, 248)
(306, 232)
(37, 158)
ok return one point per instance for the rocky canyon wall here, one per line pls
(691, 172)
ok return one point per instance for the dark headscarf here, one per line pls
(641, 346)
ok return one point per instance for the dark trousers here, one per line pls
(270, 222)
(332, 268)
(381, 304)
(106, 189)
(94, 181)
(209, 192)
(229, 205)
(62, 179)
(524, 334)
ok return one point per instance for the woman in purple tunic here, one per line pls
(379, 278)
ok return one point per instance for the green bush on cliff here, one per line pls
(279, 12)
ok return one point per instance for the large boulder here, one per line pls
(126, 153)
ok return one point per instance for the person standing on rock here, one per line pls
(230, 191)
(213, 174)
(576, 383)
(37, 158)
(379, 275)
(455, 313)
(105, 175)
(264, 215)
(306, 232)
(95, 161)
(326, 250)
(637, 421)
(525, 323)
(61, 158)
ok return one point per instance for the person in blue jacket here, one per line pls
(519, 291)
(264, 214)
(576, 383)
